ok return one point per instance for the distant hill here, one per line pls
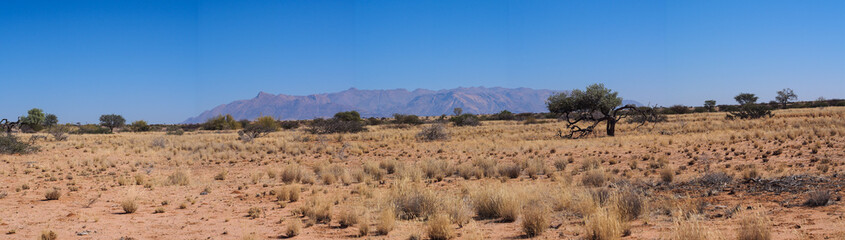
(384, 103)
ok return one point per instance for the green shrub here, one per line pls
(91, 129)
(465, 120)
(112, 121)
(139, 126)
(328, 126)
(289, 125)
(348, 116)
(503, 115)
(175, 130)
(406, 119)
(221, 122)
(33, 121)
(9, 144)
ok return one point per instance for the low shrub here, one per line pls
(754, 226)
(603, 224)
(433, 133)
(535, 219)
(440, 227)
(817, 199)
(129, 205)
(386, 221)
(9, 144)
(328, 126)
(407, 119)
(294, 227)
(465, 120)
(53, 194)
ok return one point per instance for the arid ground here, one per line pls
(697, 175)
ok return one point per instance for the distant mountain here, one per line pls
(384, 103)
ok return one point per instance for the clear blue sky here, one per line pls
(164, 61)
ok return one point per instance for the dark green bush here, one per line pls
(91, 129)
(175, 130)
(221, 123)
(465, 120)
(348, 116)
(9, 144)
(676, 109)
(503, 115)
(140, 126)
(112, 121)
(289, 124)
(327, 126)
(374, 121)
(407, 119)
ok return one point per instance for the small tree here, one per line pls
(465, 119)
(710, 105)
(406, 119)
(746, 98)
(262, 126)
(33, 121)
(348, 116)
(221, 122)
(595, 104)
(503, 115)
(784, 96)
(678, 109)
(139, 126)
(748, 109)
(112, 121)
(458, 111)
(50, 120)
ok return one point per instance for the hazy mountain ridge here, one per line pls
(384, 103)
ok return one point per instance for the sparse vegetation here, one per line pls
(53, 194)
(9, 144)
(433, 133)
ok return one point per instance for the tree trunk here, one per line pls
(611, 127)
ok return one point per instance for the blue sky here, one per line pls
(165, 61)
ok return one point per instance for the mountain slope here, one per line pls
(384, 103)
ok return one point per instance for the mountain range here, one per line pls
(384, 103)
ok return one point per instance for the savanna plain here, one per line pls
(695, 176)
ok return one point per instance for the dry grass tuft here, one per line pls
(179, 178)
(690, 229)
(440, 227)
(667, 175)
(48, 235)
(129, 205)
(603, 224)
(496, 202)
(294, 227)
(386, 221)
(53, 194)
(414, 202)
(754, 226)
(817, 199)
(594, 178)
(350, 217)
(629, 204)
(535, 219)
(254, 212)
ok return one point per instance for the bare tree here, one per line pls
(784, 96)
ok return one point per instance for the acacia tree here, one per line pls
(33, 121)
(748, 108)
(784, 96)
(593, 105)
(112, 121)
(710, 105)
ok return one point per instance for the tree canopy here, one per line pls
(594, 104)
(112, 121)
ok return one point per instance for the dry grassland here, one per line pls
(697, 176)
